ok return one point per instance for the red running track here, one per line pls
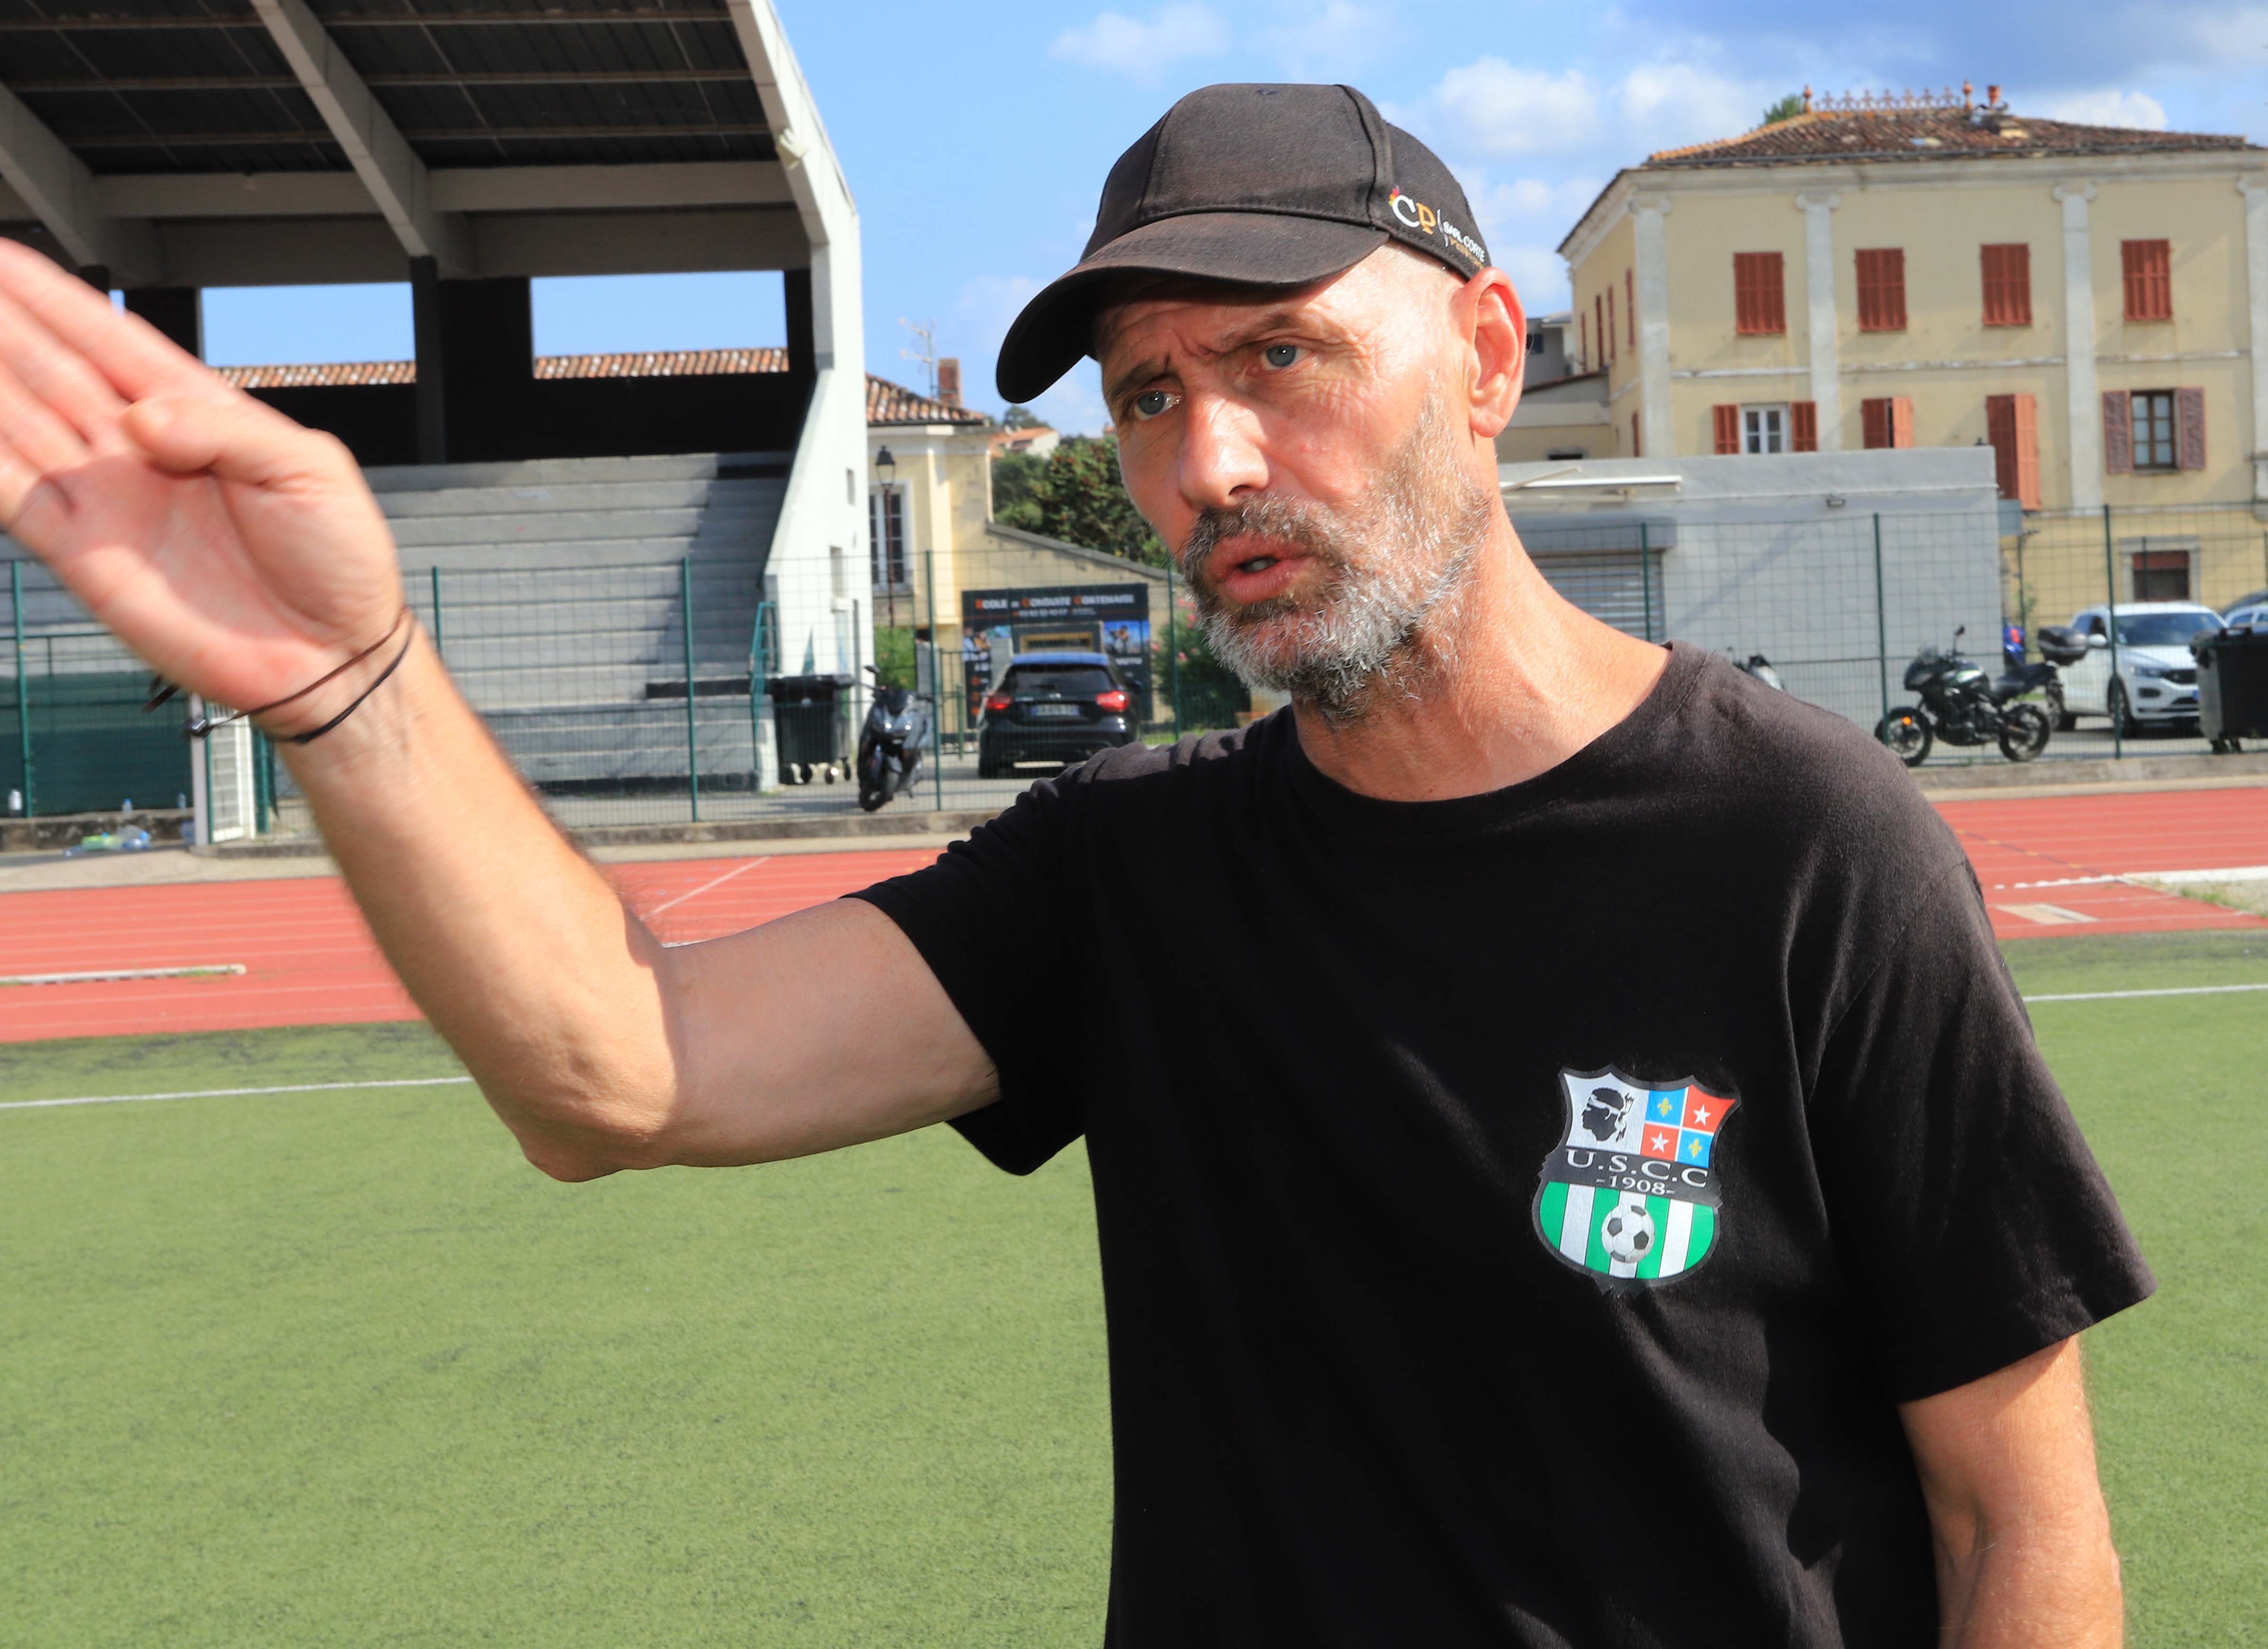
(309, 960)
(308, 957)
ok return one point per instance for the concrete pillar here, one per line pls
(2086, 398)
(1657, 427)
(487, 349)
(2255, 190)
(433, 366)
(801, 349)
(178, 311)
(1818, 209)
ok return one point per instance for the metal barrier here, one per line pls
(635, 694)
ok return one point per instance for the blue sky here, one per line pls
(976, 137)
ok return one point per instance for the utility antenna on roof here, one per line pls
(925, 334)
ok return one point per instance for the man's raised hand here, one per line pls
(237, 552)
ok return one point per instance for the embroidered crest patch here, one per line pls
(1631, 1197)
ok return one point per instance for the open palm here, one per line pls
(237, 552)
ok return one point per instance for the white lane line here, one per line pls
(209, 970)
(747, 864)
(2049, 916)
(2238, 873)
(215, 1093)
(2176, 991)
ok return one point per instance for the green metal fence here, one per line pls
(680, 690)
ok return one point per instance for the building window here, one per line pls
(2162, 575)
(1882, 290)
(1565, 455)
(1887, 422)
(1764, 428)
(887, 508)
(2007, 285)
(2154, 446)
(2149, 269)
(1599, 322)
(1759, 294)
(1630, 306)
(1583, 340)
(2012, 425)
(1635, 450)
(1613, 331)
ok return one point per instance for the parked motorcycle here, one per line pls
(890, 744)
(1962, 705)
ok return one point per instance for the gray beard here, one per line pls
(1395, 573)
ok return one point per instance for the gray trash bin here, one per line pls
(809, 713)
(2231, 687)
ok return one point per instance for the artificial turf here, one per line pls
(338, 1367)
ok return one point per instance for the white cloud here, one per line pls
(1668, 105)
(1124, 45)
(2107, 105)
(1490, 109)
(1337, 35)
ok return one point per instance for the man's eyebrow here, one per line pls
(1259, 327)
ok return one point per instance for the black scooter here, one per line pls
(890, 744)
(1962, 706)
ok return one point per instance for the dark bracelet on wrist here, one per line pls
(200, 726)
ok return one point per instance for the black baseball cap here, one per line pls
(1261, 185)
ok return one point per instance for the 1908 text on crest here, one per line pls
(1631, 1194)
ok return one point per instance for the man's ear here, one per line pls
(1488, 310)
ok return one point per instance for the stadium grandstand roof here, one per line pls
(886, 403)
(223, 141)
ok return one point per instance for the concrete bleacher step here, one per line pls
(552, 471)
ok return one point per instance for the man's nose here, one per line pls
(1222, 454)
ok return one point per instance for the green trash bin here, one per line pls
(810, 728)
(2231, 687)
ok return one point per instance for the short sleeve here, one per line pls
(993, 919)
(1970, 1212)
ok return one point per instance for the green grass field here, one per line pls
(338, 1369)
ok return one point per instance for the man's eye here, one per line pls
(1151, 402)
(1280, 355)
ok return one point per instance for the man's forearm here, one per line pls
(2053, 1587)
(516, 947)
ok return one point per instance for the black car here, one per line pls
(1054, 708)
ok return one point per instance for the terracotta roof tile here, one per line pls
(887, 402)
(1924, 134)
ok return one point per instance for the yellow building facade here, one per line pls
(1941, 272)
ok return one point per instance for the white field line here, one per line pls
(208, 970)
(2237, 873)
(719, 881)
(215, 1093)
(2175, 990)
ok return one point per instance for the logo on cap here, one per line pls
(1414, 213)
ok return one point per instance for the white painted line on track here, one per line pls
(2239, 873)
(2047, 914)
(716, 883)
(215, 1093)
(2175, 990)
(208, 971)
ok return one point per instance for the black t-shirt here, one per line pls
(1519, 1214)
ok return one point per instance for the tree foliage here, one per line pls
(1074, 493)
(1786, 109)
(1018, 416)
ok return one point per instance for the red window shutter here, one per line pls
(2148, 266)
(1613, 331)
(1583, 332)
(1727, 421)
(2000, 429)
(1882, 290)
(1875, 424)
(1803, 433)
(1901, 421)
(1599, 323)
(2188, 427)
(1759, 293)
(2117, 433)
(1629, 307)
(1635, 453)
(2025, 430)
(2007, 285)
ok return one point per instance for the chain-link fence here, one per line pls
(673, 691)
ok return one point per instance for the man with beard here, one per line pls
(1571, 1166)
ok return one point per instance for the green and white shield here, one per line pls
(1631, 1195)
